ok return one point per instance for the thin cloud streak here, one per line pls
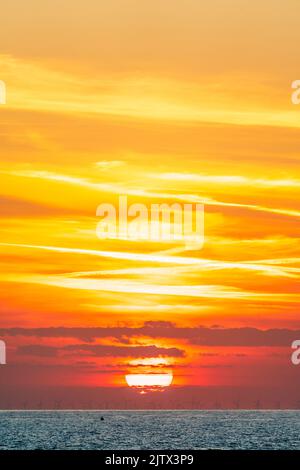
(229, 179)
(140, 98)
(131, 287)
(156, 258)
(117, 189)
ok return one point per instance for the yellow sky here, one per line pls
(163, 102)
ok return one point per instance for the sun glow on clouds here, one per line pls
(149, 361)
(149, 382)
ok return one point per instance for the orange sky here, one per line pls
(163, 102)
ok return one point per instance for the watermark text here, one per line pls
(183, 223)
(295, 97)
(296, 353)
(2, 353)
(2, 92)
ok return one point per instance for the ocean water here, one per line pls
(151, 430)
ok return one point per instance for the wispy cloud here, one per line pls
(229, 180)
(41, 88)
(118, 189)
(140, 287)
(263, 267)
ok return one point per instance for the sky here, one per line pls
(162, 102)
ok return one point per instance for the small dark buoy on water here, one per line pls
(102, 419)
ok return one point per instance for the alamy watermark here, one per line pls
(295, 97)
(295, 357)
(183, 223)
(2, 353)
(2, 92)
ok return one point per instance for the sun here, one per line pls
(149, 382)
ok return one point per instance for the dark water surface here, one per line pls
(150, 430)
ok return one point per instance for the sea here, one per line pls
(149, 430)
